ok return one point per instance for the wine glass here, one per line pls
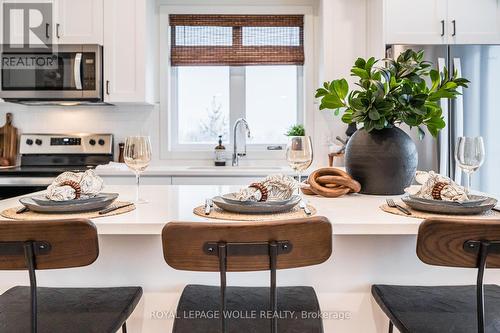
(299, 154)
(137, 155)
(469, 155)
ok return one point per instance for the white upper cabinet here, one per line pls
(474, 22)
(442, 22)
(17, 24)
(79, 22)
(127, 42)
(409, 22)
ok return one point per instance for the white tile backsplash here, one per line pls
(121, 121)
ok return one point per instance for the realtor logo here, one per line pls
(27, 25)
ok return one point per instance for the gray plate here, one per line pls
(42, 200)
(440, 208)
(230, 198)
(256, 207)
(475, 200)
(68, 207)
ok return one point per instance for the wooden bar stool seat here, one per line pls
(448, 309)
(89, 310)
(36, 245)
(247, 246)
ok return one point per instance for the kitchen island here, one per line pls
(369, 246)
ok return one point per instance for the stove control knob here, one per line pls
(29, 142)
(92, 142)
(38, 142)
(102, 142)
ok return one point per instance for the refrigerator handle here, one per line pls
(458, 115)
(444, 135)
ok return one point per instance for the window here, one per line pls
(225, 67)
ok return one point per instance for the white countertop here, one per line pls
(194, 171)
(350, 215)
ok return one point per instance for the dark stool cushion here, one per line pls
(85, 310)
(244, 300)
(440, 309)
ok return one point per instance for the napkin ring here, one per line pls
(262, 189)
(74, 185)
(436, 190)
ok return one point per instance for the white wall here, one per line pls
(340, 37)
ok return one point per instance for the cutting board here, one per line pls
(8, 142)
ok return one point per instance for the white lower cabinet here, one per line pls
(130, 180)
(230, 180)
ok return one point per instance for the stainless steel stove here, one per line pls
(44, 156)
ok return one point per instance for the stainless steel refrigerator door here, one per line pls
(477, 112)
(433, 154)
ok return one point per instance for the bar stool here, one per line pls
(35, 245)
(441, 309)
(247, 246)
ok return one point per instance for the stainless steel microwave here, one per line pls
(67, 73)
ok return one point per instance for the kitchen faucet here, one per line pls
(237, 155)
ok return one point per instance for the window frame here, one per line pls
(237, 109)
(169, 149)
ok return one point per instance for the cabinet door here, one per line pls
(79, 22)
(474, 22)
(124, 51)
(422, 22)
(17, 23)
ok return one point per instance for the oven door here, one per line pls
(72, 73)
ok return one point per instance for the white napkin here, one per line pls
(450, 192)
(90, 184)
(279, 187)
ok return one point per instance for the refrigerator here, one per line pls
(474, 113)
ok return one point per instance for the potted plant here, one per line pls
(296, 131)
(381, 156)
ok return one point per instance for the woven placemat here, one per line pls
(219, 214)
(10, 213)
(424, 215)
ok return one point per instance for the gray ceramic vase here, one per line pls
(384, 162)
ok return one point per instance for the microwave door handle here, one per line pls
(77, 71)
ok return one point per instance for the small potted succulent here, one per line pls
(381, 156)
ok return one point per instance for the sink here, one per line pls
(235, 168)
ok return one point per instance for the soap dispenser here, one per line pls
(220, 154)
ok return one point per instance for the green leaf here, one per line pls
(360, 63)
(332, 101)
(347, 117)
(341, 88)
(320, 92)
(421, 133)
(373, 114)
(359, 72)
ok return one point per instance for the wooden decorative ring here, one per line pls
(262, 189)
(75, 186)
(332, 183)
(436, 190)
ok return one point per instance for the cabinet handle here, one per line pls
(57, 30)
(442, 27)
(47, 25)
(454, 24)
(107, 87)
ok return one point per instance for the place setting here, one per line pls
(71, 194)
(438, 195)
(273, 198)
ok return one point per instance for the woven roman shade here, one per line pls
(237, 40)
